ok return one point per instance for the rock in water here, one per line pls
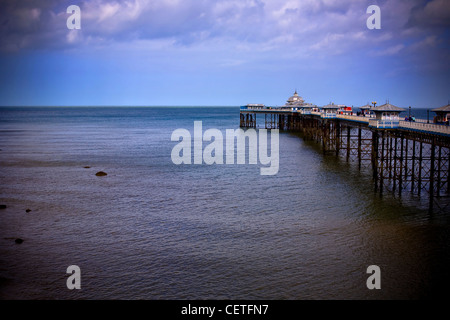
(28, 210)
(2, 206)
(86, 167)
(18, 241)
(101, 174)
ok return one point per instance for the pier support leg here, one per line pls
(383, 139)
(375, 159)
(432, 169)
(400, 175)
(359, 148)
(413, 166)
(338, 137)
(419, 180)
(395, 165)
(348, 143)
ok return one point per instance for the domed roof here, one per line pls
(295, 99)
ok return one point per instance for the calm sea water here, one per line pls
(153, 230)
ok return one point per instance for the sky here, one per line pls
(224, 53)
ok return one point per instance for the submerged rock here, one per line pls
(2, 206)
(18, 241)
(101, 174)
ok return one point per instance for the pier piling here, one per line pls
(400, 159)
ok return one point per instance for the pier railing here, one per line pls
(328, 115)
(428, 127)
(353, 118)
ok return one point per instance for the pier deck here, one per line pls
(419, 125)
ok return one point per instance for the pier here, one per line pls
(402, 156)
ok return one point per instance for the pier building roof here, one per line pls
(331, 106)
(387, 107)
(443, 109)
(366, 106)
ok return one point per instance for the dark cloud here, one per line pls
(430, 14)
(31, 24)
(298, 25)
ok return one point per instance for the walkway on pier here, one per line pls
(419, 125)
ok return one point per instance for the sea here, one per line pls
(154, 230)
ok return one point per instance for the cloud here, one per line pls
(289, 28)
(389, 51)
(431, 14)
(29, 24)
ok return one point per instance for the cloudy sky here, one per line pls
(224, 52)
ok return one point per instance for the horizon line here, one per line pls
(150, 106)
